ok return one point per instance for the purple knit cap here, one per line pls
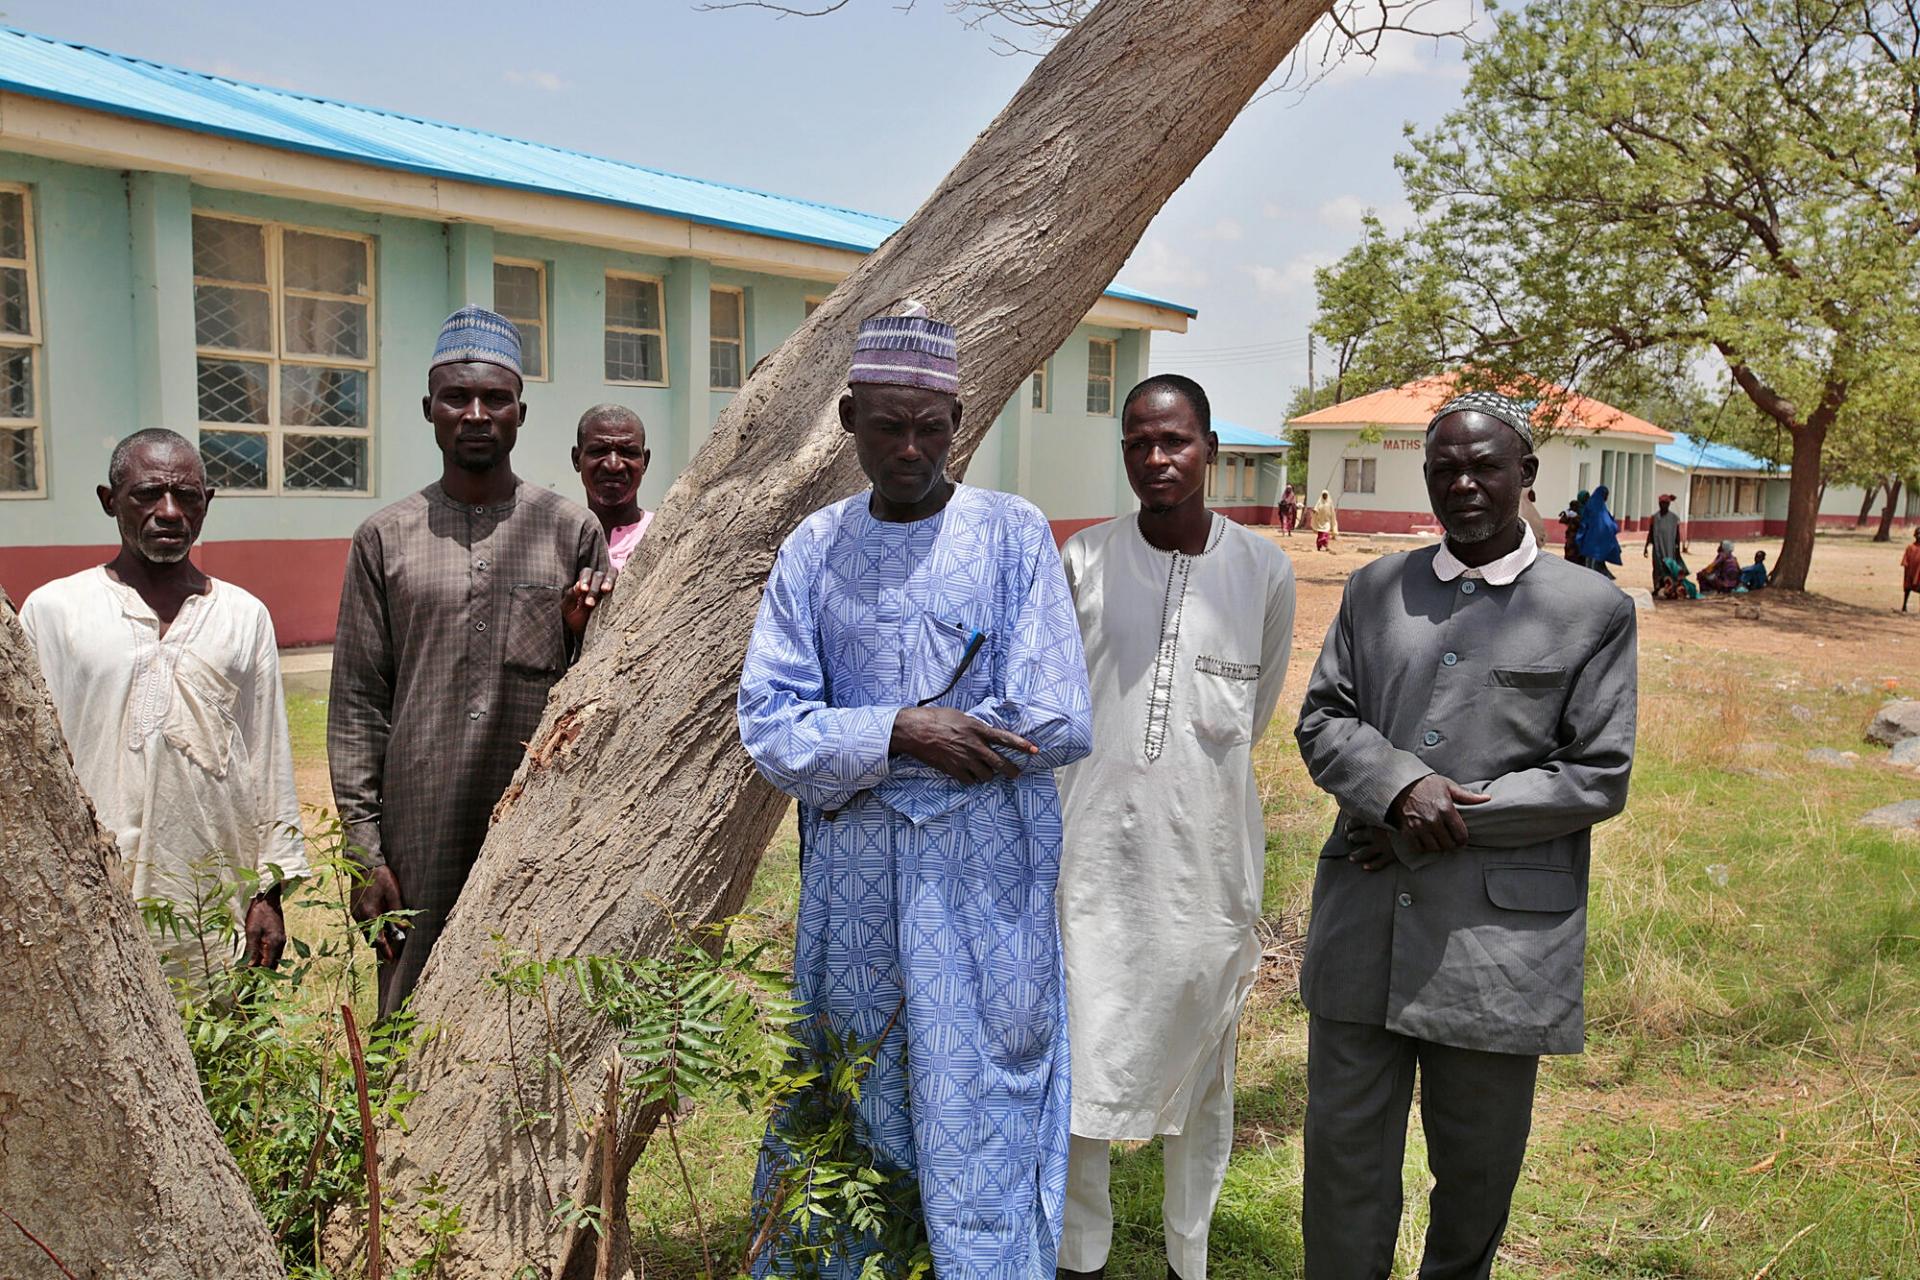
(907, 348)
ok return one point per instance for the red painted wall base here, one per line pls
(298, 581)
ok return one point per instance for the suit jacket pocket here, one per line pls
(536, 641)
(1532, 888)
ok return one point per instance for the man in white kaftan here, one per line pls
(174, 714)
(1187, 620)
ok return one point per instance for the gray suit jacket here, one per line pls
(1526, 692)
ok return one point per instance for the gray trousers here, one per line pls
(1476, 1109)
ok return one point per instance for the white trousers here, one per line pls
(1195, 1162)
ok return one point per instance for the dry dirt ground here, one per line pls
(1847, 625)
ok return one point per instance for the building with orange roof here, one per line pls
(1367, 452)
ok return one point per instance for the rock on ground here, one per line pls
(1896, 722)
(1903, 816)
(1828, 756)
(1907, 753)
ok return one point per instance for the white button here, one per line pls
(1467, 586)
(1431, 737)
(1451, 659)
(479, 626)
(473, 715)
(1406, 899)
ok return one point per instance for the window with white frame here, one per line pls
(1358, 475)
(520, 294)
(1039, 390)
(22, 447)
(1102, 357)
(726, 338)
(636, 331)
(283, 331)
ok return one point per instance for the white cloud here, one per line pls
(1292, 279)
(1344, 212)
(1158, 265)
(1225, 229)
(546, 81)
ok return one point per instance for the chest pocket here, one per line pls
(937, 657)
(536, 642)
(200, 722)
(1223, 700)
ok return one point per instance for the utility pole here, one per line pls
(1310, 344)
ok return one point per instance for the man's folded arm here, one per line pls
(1347, 757)
(820, 754)
(1046, 701)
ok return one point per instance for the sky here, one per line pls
(789, 105)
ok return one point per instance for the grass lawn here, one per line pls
(1749, 1102)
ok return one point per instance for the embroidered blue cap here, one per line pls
(475, 333)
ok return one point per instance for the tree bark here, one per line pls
(636, 805)
(1803, 510)
(108, 1157)
(1866, 507)
(1885, 532)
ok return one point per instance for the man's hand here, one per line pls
(379, 896)
(581, 598)
(957, 744)
(1368, 845)
(266, 930)
(1427, 816)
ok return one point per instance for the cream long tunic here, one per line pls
(180, 740)
(1165, 849)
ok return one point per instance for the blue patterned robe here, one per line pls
(921, 884)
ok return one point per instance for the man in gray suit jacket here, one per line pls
(1473, 713)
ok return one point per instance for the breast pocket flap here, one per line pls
(1532, 888)
(1528, 677)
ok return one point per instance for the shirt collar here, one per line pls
(1500, 573)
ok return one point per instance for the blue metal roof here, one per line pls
(1232, 433)
(1691, 454)
(84, 76)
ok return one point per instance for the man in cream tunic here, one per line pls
(1187, 619)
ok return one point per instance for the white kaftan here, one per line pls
(1165, 853)
(180, 740)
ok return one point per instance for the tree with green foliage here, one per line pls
(1632, 188)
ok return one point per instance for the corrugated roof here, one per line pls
(85, 76)
(1413, 405)
(1693, 454)
(1232, 433)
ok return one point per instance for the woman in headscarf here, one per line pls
(1289, 510)
(1599, 534)
(1723, 575)
(1325, 526)
(1570, 521)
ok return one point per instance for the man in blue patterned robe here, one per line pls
(914, 678)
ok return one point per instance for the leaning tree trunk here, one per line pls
(636, 803)
(108, 1158)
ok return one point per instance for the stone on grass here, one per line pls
(1903, 816)
(1896, 722)
(1799, 712)
(1831, 758)
(1906, 754)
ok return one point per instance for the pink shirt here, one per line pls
(625, 537)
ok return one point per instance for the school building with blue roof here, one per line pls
(1721, 492)
(265, 272)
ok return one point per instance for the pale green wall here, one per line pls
(115, 286)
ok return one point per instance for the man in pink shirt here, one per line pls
(610, 453)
